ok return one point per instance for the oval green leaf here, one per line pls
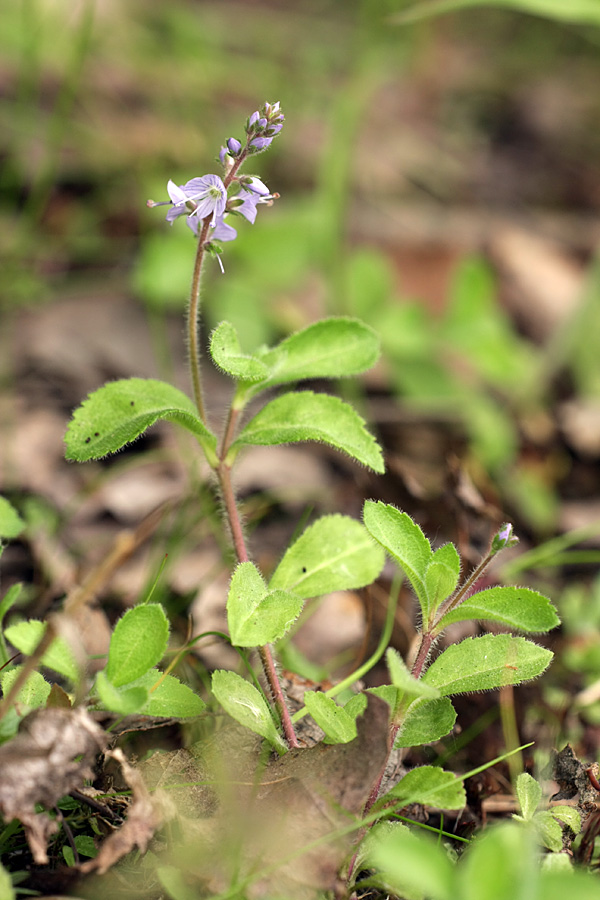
(337, 723)
(331, 348)
(404, 541)
(430, 786)
(11, 523)
(25, 636)
(246, 705)
(255, 615)
(335, 553)
(516, 607)
(306, 416)
(33, 693)
(138, 642)
(487, 662)
(119, 412)
(426, 721)
(227, 355)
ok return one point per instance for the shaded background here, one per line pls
(438, 179)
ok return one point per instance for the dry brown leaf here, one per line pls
(52, 754)
(143, 818)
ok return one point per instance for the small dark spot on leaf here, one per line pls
(96, 434)
(87, 440)
(132, 402)
(303, 569)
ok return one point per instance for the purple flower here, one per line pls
(221, 231)
(197, 198)
(253, 119)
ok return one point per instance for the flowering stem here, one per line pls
(193, 323)
(233, 517)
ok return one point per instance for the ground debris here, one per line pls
(52, 754)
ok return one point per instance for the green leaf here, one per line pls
(11, 523)
(430, 786)
(519, 608)
(168, 697)
(501, 864)
(119, 412)
(409, 864)
(529, 794)
(125, 700)
(25, 636)
(441, 575)
(331, 348)
(404, 541)
(255, 615)
(34, 692)
(227, 355)
(9, 599)
(584, 12)
(138, 642)
(6, 886)
(569, 815)
(337, 723)
(306, 416)
(246, 705)
(490, 661)
(335, 553)
(426, 721)
(549, 830)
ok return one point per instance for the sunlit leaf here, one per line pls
(306, 416)
(334, 553)
(490, 661)
(119, 412)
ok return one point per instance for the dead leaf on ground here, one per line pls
(52, 754)
(143, 818)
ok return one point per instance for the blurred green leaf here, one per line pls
(430, 786)
(34, 692)
(11, 523)
(584, 12)
(529, 794)
(246, 705)
(25, 636)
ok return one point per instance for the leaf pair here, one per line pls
(130, 682)
(434, 578)
(331, 348)
(121, 411)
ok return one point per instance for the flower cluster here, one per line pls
(207, 200)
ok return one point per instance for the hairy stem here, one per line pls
(193, 321)
(237, 534)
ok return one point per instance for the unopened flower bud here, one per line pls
(259, 143)
(504, 538)
(233, 146)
